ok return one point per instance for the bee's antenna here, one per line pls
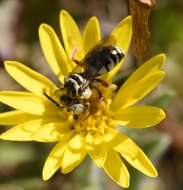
(56, 103)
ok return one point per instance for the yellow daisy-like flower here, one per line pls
(39, 119)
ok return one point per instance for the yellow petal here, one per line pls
(52, 132)
(22, 132)
(91, 35)
(76, 142)
(98, 154)
(142, 163)
(15, 117)
(29, 79)
(116, 169)
(73, 157)
(71, 35)
(139, 116)
(53, 161)
(97, 148)
(140, 83)
(123, 35)
(152, 65)
(121, 143)
(129, 95)
(54, 52)
(24, 101)
(130, 151)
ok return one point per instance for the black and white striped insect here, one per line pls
(100, 60)
(78, 86)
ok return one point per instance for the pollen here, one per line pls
(96, 122)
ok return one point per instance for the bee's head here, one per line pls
(76, 86)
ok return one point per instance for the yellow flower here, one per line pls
(37, 118)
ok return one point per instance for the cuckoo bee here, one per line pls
(99, 60)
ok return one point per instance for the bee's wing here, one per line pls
(106, 41)
(78, 69)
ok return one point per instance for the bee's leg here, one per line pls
(73, 53)
(98, 91)
(59, 91)
(61, 87)
(103, 82)
(77, 62)
(87, 105)
(52, 100)
(87, 112)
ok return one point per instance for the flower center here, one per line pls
(97, 116)
(96, 121)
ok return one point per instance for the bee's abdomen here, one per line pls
(109, 58)
(101, 61)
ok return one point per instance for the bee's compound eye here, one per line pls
(78, 108)
(77, 78)
(74, 77)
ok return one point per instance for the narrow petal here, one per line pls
(29, 79)
(139, 116)
(76, 142)
(22, 132)
(142, 163)
(116, 169)
(98, 154)
(121, 143)
(54, 52)
(15, 117)
(71, 35)
(53, 161)
(73, 156)
(97, 149)
(91, 35)
(123, 35)
(24, 101)
(152, 65)
(129, 95)
(52, 132)
(131, 152)
(141, 82)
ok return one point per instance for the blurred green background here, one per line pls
(21, 163)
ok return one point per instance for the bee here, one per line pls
(100, 60)
(78, 86)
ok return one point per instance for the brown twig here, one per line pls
(148, 3)
(140, 11)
